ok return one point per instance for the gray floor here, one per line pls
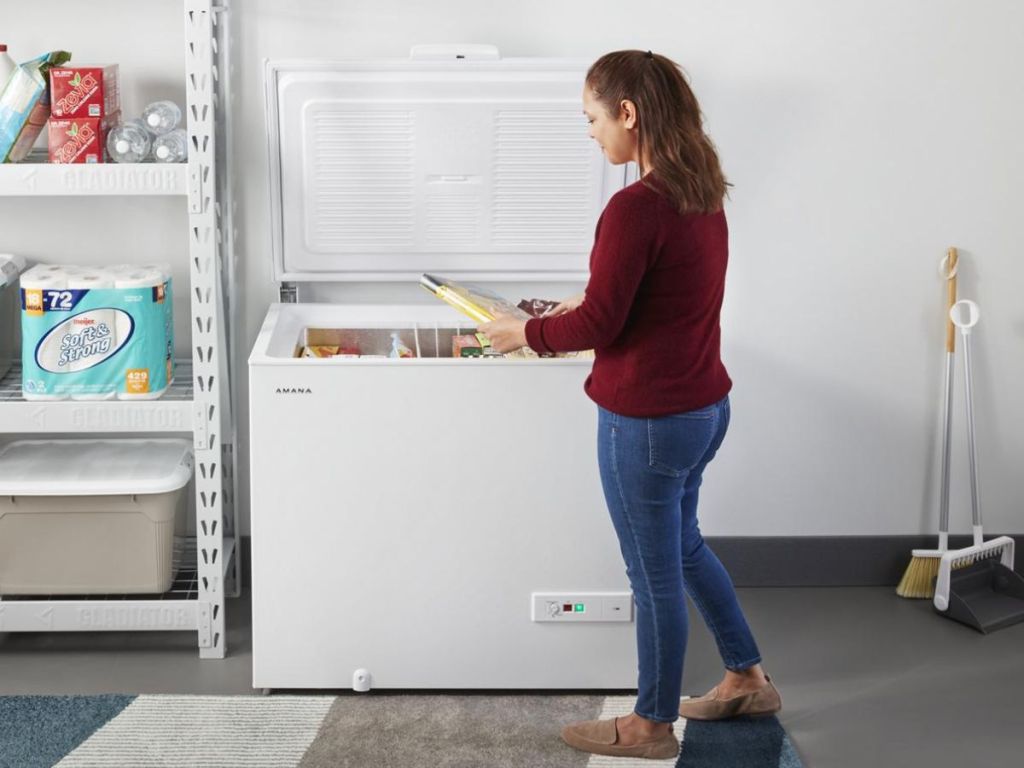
(868, 679)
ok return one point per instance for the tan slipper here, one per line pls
(601, 737)
(711, 706)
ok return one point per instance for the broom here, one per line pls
(919, 579)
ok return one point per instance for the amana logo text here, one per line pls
(294, 391)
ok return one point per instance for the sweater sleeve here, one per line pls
(624, 249)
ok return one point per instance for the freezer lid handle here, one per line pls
(467, 52)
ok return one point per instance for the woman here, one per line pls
(651, 313)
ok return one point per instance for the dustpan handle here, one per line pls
(965, 315)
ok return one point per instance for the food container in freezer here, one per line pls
(91, 516)
(10, 267)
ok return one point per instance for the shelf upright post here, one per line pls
(230, 333)
(207, 305)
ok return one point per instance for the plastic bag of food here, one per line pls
(25, 105)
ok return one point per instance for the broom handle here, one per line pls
(949, 271)
(952, 257)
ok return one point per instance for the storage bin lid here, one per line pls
(94, 467)
(10, 267)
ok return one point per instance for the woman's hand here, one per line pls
(506, 333)
(566, 306)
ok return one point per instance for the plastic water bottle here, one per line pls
(161, 117)
(171, 147)
(129, 142)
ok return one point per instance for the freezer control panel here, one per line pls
(570, 607)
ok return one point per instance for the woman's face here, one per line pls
(615, 135)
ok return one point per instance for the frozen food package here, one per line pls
(537, 307)
(473, 301)
(466, 345)
(399, 349)
(319, 351)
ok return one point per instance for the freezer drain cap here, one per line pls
(362, 680)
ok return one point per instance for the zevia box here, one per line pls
(84, 91)
(79, 139)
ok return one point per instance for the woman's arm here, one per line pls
(624, 248)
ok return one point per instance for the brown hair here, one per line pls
(670, 125)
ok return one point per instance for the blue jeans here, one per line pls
(651, 472)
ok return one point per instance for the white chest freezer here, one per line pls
(433, 522)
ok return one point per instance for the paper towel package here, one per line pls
(96, 333)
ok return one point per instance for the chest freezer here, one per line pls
(405, 513)
(434, 521)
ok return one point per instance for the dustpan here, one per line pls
(977, 585)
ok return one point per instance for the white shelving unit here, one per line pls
(199, 403)
(43, 179)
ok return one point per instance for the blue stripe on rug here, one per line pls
(742, 742)
(789, 758)
(37, 731)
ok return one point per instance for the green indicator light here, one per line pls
(580, 608)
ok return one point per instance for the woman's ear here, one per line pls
(627, 112)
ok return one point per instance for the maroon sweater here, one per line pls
(652, 307)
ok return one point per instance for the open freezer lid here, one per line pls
(452, 161)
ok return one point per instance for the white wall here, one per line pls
(863, 138)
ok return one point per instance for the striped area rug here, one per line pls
(377, 730)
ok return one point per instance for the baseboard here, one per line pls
(826, 561)
(804, 561)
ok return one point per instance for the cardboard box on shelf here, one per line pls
(85, 91)
(79, 139)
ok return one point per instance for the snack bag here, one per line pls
(25, 105)
(398, 349)
(537, 307)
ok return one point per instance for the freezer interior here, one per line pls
(426, 331)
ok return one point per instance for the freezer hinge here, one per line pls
(289, 293)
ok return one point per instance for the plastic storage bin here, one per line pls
(10, 268)
(91, 516)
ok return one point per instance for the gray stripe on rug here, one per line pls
(205, 732)
(448, 731)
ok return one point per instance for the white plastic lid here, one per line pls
(122, 145)
(153, 119)
(163, 151)
(94, 467)
(10, 267)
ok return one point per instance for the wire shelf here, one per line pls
(184, 566)
(181, 388)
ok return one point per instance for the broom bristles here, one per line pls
(918, 581)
